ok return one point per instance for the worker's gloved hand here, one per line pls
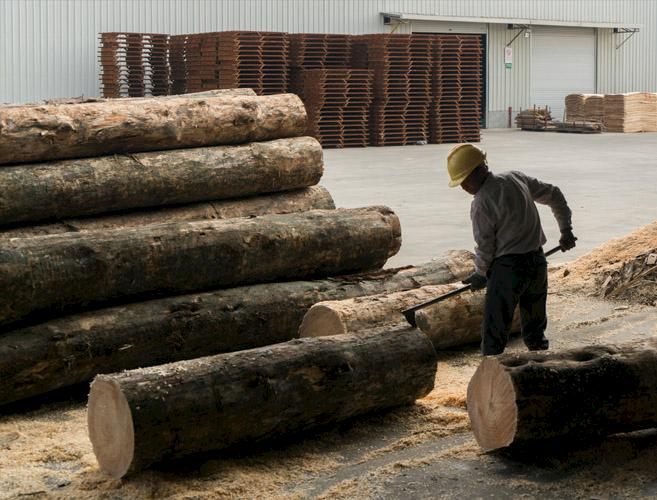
(476, 281)
(567, 240)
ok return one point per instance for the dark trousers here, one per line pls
(518, 279)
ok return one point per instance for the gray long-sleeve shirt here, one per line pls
(505, 219)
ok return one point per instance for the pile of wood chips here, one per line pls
(635, 281)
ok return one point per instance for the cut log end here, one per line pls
(492, 406)
(110, 427)
(321, 321)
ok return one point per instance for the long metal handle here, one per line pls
(410, 312)
(437, 299)
(554, 250)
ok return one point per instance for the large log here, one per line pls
(453, 322)
(64, 272)
(51, 131)
(297, 200)
(141, 417)
(70, 350)
(71, 188)
(522, 399)
(80, 100)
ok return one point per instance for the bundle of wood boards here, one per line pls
(575, 107)
(533, 119)
(633, 112)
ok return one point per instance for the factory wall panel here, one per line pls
(48, 48)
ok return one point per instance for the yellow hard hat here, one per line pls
(461, 161)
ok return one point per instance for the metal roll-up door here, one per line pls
(563, 62)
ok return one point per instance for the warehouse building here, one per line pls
(536, 51)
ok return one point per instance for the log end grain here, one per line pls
(320, 321)
(110, 426)
(491, 402)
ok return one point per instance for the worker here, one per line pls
(509, 258)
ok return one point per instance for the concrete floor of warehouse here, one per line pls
(426, 450)
(609, 180)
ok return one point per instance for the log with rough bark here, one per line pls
(453, 322)
(71, 188)
(50, 132)
(141, 417)
(47, 275)
(70, 350)
(580, 393)
(286, 202)
(81, 100)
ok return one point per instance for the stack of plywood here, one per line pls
(594, 108)
(575, 107)
(632, 112)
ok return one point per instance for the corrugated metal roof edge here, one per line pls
(403, 16)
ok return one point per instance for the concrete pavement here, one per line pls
(609, 179)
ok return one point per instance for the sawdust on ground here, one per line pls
(586, 274)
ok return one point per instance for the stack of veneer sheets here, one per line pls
(134, 64)
(457, 89)
(633, 112)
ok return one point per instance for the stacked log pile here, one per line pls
(117, 252)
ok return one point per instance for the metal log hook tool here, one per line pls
(409, 313)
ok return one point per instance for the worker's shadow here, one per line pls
(634, 452)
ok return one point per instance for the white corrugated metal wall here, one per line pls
(48, 48)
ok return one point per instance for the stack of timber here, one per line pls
(594, 108)
(575, 107)
(633, 112)
(337, 96)
(534, 119)
(114, 253)
(338, 102)
(456, 108)
(134, 64)
(527, 399)
(401, 66)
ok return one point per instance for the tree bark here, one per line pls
(47, 275)
(51, 131)
(72, 188)
(458, 320)
(286, 202)
(453, 322)
(141, 417)
(191, 95)
(70, 350)
(572, 394)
